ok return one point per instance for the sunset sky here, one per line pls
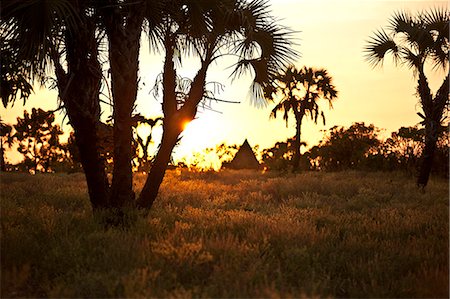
(332, 35)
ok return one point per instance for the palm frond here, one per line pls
(267, 46)
(35, 25)
(278, 107)
(378, 46)
(437, 25)
(401, 22)
(412, 60)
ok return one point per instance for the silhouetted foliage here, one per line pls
(300, 91)
(226, 152)
(345, 148)
(441, 158)
(15, 81)
(72, 155)
(143, 142)
(280, 156)
(5, 139)
(403, 149)
(413, 41)
(38, 140)
(360, 147)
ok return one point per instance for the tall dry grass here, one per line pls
(230, 234)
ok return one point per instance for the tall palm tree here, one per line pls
(209, 30)
(62, 36)
(414, 40)
(300, 91)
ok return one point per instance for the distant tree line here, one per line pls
(359, 147)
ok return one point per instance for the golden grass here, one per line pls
(230, 234)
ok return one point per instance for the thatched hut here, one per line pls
(244, 159)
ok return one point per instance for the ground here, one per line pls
(230, 234)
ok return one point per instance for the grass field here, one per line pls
(230, 234)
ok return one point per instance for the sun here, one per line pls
(197, 135)
(185, 125)
(193, 133)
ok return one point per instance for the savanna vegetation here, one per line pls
(343, 219)
(229, 234)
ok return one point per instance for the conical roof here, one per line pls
(244, 158)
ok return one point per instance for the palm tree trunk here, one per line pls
(173, 121)
(433, 109)
(83, 109)
(431, 136)
(124, 43)
(159, 167)
(121, 188)
(79, 90)
(297, 141)
(93, 165)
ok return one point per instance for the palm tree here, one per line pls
(62, 35)
(209, 30)
(300, 91)
(414, 41)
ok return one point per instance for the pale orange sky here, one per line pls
(332, 35)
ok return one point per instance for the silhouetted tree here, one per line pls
(5, 138)
(280, 156)
(300, 91)
(345, 148)
(414, 40)
(63, 37)
(123, 22)
(209, 30)
(226, 152)
(143, 143)
(406, 145)
(38, 139)
(441, 159)
(404, 149)
(72, 155)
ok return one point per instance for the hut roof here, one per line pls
(245, 158)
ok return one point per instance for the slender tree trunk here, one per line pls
(124, 44)
(297, 141)
(174, 117)
(159, 167)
